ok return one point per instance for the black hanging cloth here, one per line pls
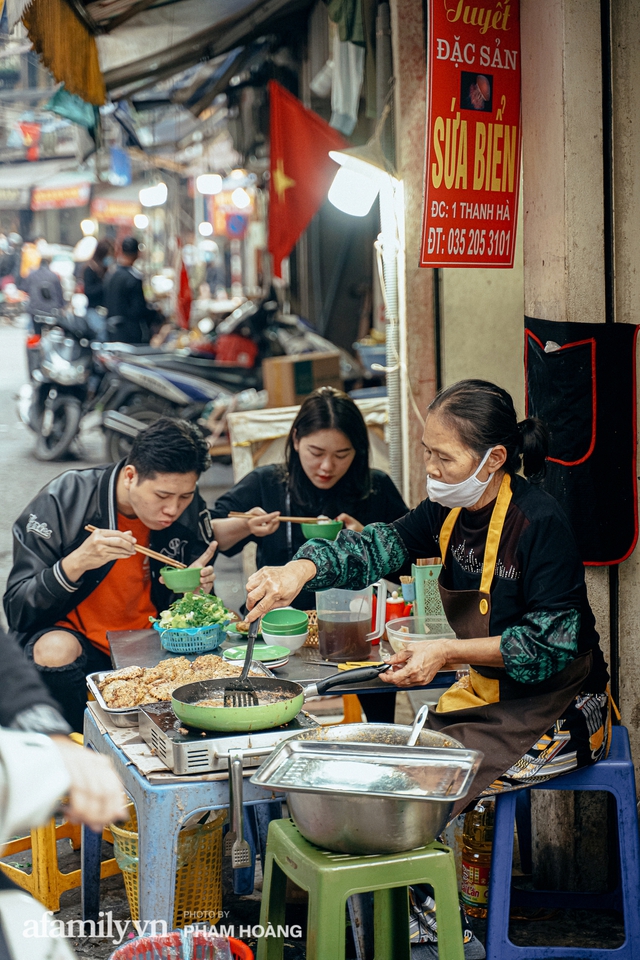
(581, 380)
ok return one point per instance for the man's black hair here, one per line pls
(129, 246)
(169, 446)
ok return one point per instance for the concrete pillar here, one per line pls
(625, 30)
(564, 281)
(416, 283)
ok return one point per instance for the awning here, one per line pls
(16, 176)
(125, 43)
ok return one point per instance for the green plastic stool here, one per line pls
(330, 878)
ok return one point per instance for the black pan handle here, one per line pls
(359, 675)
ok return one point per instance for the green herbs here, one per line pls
(193, 610)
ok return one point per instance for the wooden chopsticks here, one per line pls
(168, 562)
(253, 516)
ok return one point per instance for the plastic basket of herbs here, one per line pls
(195, 623)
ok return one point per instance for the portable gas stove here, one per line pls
(187, 750)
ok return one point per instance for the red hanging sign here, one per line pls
(472, 174)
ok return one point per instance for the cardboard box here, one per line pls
(288, 380)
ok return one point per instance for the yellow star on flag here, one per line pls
(281, 181)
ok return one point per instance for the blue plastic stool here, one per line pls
(615, 775)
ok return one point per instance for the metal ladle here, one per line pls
(418, 724)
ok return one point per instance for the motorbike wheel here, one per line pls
(67, 412)
(118, 445)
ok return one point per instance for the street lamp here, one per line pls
(364, 174)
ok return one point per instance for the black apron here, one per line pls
(487, 710)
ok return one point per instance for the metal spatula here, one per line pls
(240, 692)
(240, 849)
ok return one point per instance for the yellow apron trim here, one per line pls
(494, 534)
(472, 691)
(446, 530)
(493, 537)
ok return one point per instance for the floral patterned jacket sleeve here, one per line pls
(542, 644)
(354, 560)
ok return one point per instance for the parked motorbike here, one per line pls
(144, 393)
(61, 365)
(204, 382)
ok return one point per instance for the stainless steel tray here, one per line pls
(372, 769)
(128, 716)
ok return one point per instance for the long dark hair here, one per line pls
(483, 416)
(329, 409)
(104, 248)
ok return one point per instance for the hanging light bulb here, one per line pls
(141, 221)
(205, 229)
(353, 193)
(88, 227)
(154, 196)
(209, 183)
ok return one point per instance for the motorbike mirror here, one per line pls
(205, 325)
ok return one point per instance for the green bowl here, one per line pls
(284, 622)
(328, 531)
(181, 581)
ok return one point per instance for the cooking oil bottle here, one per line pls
(477, 840)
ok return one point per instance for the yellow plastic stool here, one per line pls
(46, 882)
(352, 708)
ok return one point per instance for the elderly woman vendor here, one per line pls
(512, 585)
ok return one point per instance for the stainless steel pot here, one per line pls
(364, 824)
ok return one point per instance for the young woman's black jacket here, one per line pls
(266, 487)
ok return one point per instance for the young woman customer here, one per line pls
(326, 472)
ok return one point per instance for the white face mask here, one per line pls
(463, 494)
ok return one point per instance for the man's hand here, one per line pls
(100, 547)
(273, 587)
(96, 797)
(350, 522)
(418, 666)
(207, 576)
(264, 523)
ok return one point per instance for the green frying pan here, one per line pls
(291, 697)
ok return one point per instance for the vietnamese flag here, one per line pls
(301, 169)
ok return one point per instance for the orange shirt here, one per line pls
(123, 600)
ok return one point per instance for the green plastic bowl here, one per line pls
(328, 531)
(284, 622)
(181, 581)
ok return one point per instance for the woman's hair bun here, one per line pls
(535, 447)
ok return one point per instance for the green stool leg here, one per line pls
(272, 910)
(391, 924)
(326, 926)
(445, 886)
